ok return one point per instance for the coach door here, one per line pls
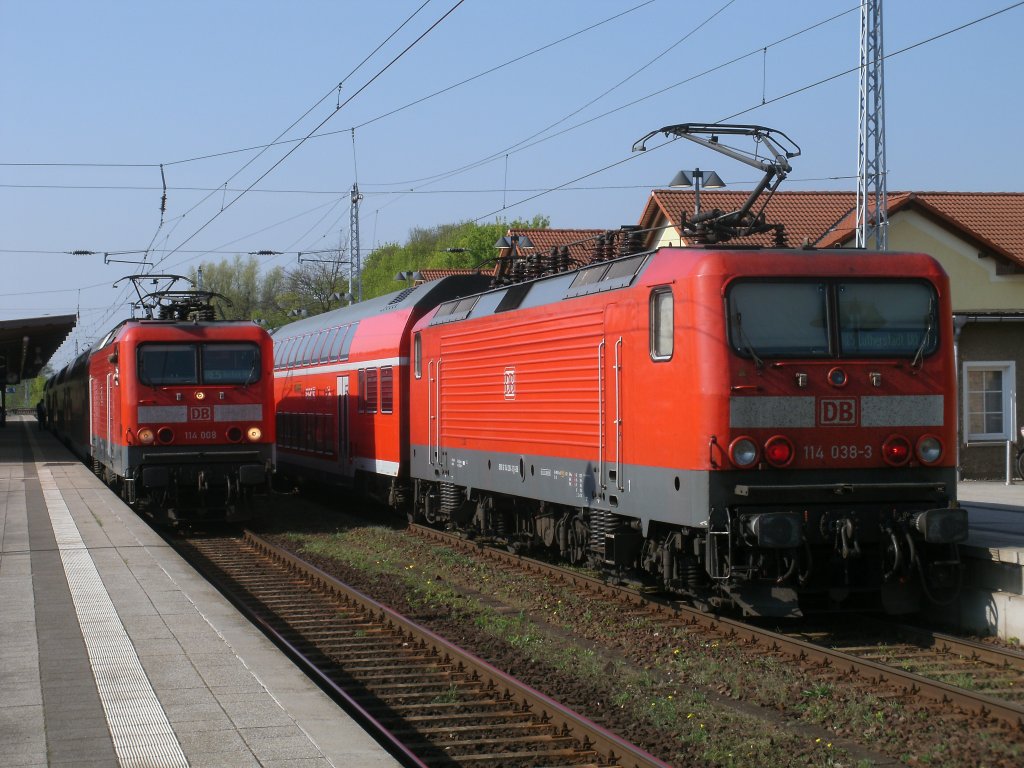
(343, 430)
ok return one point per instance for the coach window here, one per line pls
(294, 349)
(417, 355)
(325, 352)
(304, 344)
(387, 389)
(321, 339)
(289, 352)
(371, 390)
(336, 343)
(361, 385)
(350, 334)
(661, 324)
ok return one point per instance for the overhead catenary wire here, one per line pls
(322, 123)
(567, 186)
(789, 94)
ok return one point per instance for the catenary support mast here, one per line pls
(872, 206)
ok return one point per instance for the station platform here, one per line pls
(992, 601)
(114, 652)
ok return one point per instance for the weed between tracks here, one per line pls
(690, 699)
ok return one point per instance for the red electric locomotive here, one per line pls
(771, 429)
(175, 410)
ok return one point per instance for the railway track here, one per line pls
(981, 680)
(429, 701)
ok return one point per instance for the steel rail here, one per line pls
(613, 749)
(364, 718)
(801, 650)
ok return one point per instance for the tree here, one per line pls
(465, 245)
(237, 280)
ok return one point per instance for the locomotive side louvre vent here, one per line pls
(606, 276)
(458, 309)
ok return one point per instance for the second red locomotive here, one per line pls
(175, 411)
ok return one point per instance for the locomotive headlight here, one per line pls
(778, 451)
(254, 433)
(929, 449)
(146, 436)
(947, 525)
(200, 395)
(743, 452)
(896, 450)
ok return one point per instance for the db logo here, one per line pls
(510, 383)
(837, 411)
(200, 413)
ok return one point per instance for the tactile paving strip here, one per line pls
(138, 724)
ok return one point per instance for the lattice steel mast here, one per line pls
(872, 205)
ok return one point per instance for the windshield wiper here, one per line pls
(919, 355)
(746, 342)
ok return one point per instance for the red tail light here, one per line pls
(778, 451)
(896, 450)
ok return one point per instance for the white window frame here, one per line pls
(1009, 370)
(656, 322)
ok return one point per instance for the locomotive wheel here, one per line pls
(579, 536)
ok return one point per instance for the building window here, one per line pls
(661, 324)
(988, 401)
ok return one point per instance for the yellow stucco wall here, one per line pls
(976, 286)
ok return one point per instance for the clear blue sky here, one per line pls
(86, 87)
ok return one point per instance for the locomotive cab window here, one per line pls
(417, 356)
(896, 319)
(779, 319)
(833, 318)
(182, 364)
(230, 363)
(661, 324)
(167, 364)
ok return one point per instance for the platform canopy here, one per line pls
(28, 343)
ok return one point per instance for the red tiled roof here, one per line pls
(807, 215)
(992, 220)
(428, 275)
(995, 219)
